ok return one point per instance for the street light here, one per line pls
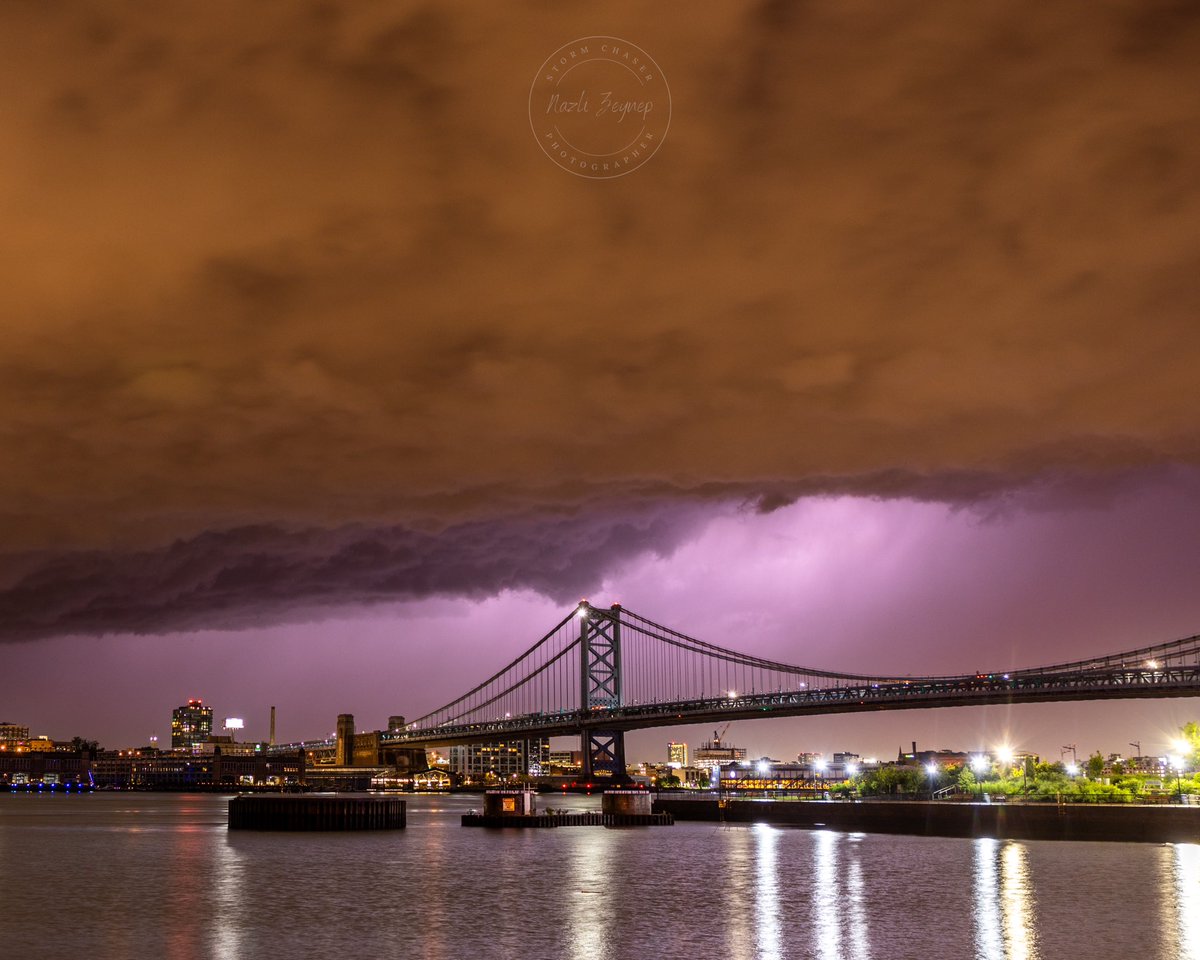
(1177, 763)
(931, 769)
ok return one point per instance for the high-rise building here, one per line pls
(677, 754)
(191, 724)
(503, 759)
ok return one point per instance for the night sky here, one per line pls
(322, 386)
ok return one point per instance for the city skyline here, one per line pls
(323, 387)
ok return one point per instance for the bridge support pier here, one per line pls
(604, 756)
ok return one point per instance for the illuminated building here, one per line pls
(12, 734)
(503, 759)
(716, 753)
(191, 724)
(566, 761)
(677, 754)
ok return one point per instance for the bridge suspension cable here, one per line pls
(598, 659)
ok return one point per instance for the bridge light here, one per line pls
(732, 694)
(583, 610)
(1152, 664)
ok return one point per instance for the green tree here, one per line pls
(967, 782)
(887, 781)
(1095, 765)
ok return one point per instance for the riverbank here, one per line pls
(1009, 821)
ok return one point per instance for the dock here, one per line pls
(588, 819)
(307, 812)
(515, 808)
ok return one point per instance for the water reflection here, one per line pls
(1187, 899)
(740, 895)
(856, 899)
(1004, 923)
(766, 901)
(839, 914)
(589, 900)
(228, 897)
(826, 914)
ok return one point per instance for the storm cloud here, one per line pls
(296, 315)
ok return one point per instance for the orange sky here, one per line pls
(304, 265)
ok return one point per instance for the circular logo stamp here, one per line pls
(599, 107)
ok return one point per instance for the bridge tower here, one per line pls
(600, 688)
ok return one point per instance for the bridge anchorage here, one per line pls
(602, 671)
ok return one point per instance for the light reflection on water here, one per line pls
(838, 898)
(152, 875)
(1004, 902)
(587, 897)
(767, 902)
(1187, 899)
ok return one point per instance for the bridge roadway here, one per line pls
(1107, 683)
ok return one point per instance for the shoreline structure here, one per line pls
(933, 818)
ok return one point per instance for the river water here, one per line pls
(121, 876)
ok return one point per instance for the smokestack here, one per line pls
(914, 749)
(272, 726)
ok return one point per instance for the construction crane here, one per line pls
(719, 735)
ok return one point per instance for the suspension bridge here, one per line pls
(602, 671)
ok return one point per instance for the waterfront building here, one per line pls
(47, 767)
(1116, 765)
(13, 734)
(677, 754)
(191, 724)
(152, 770)
(227, 746)
(566, 762)
(716, 753)
(502, 760)
(945, 758)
